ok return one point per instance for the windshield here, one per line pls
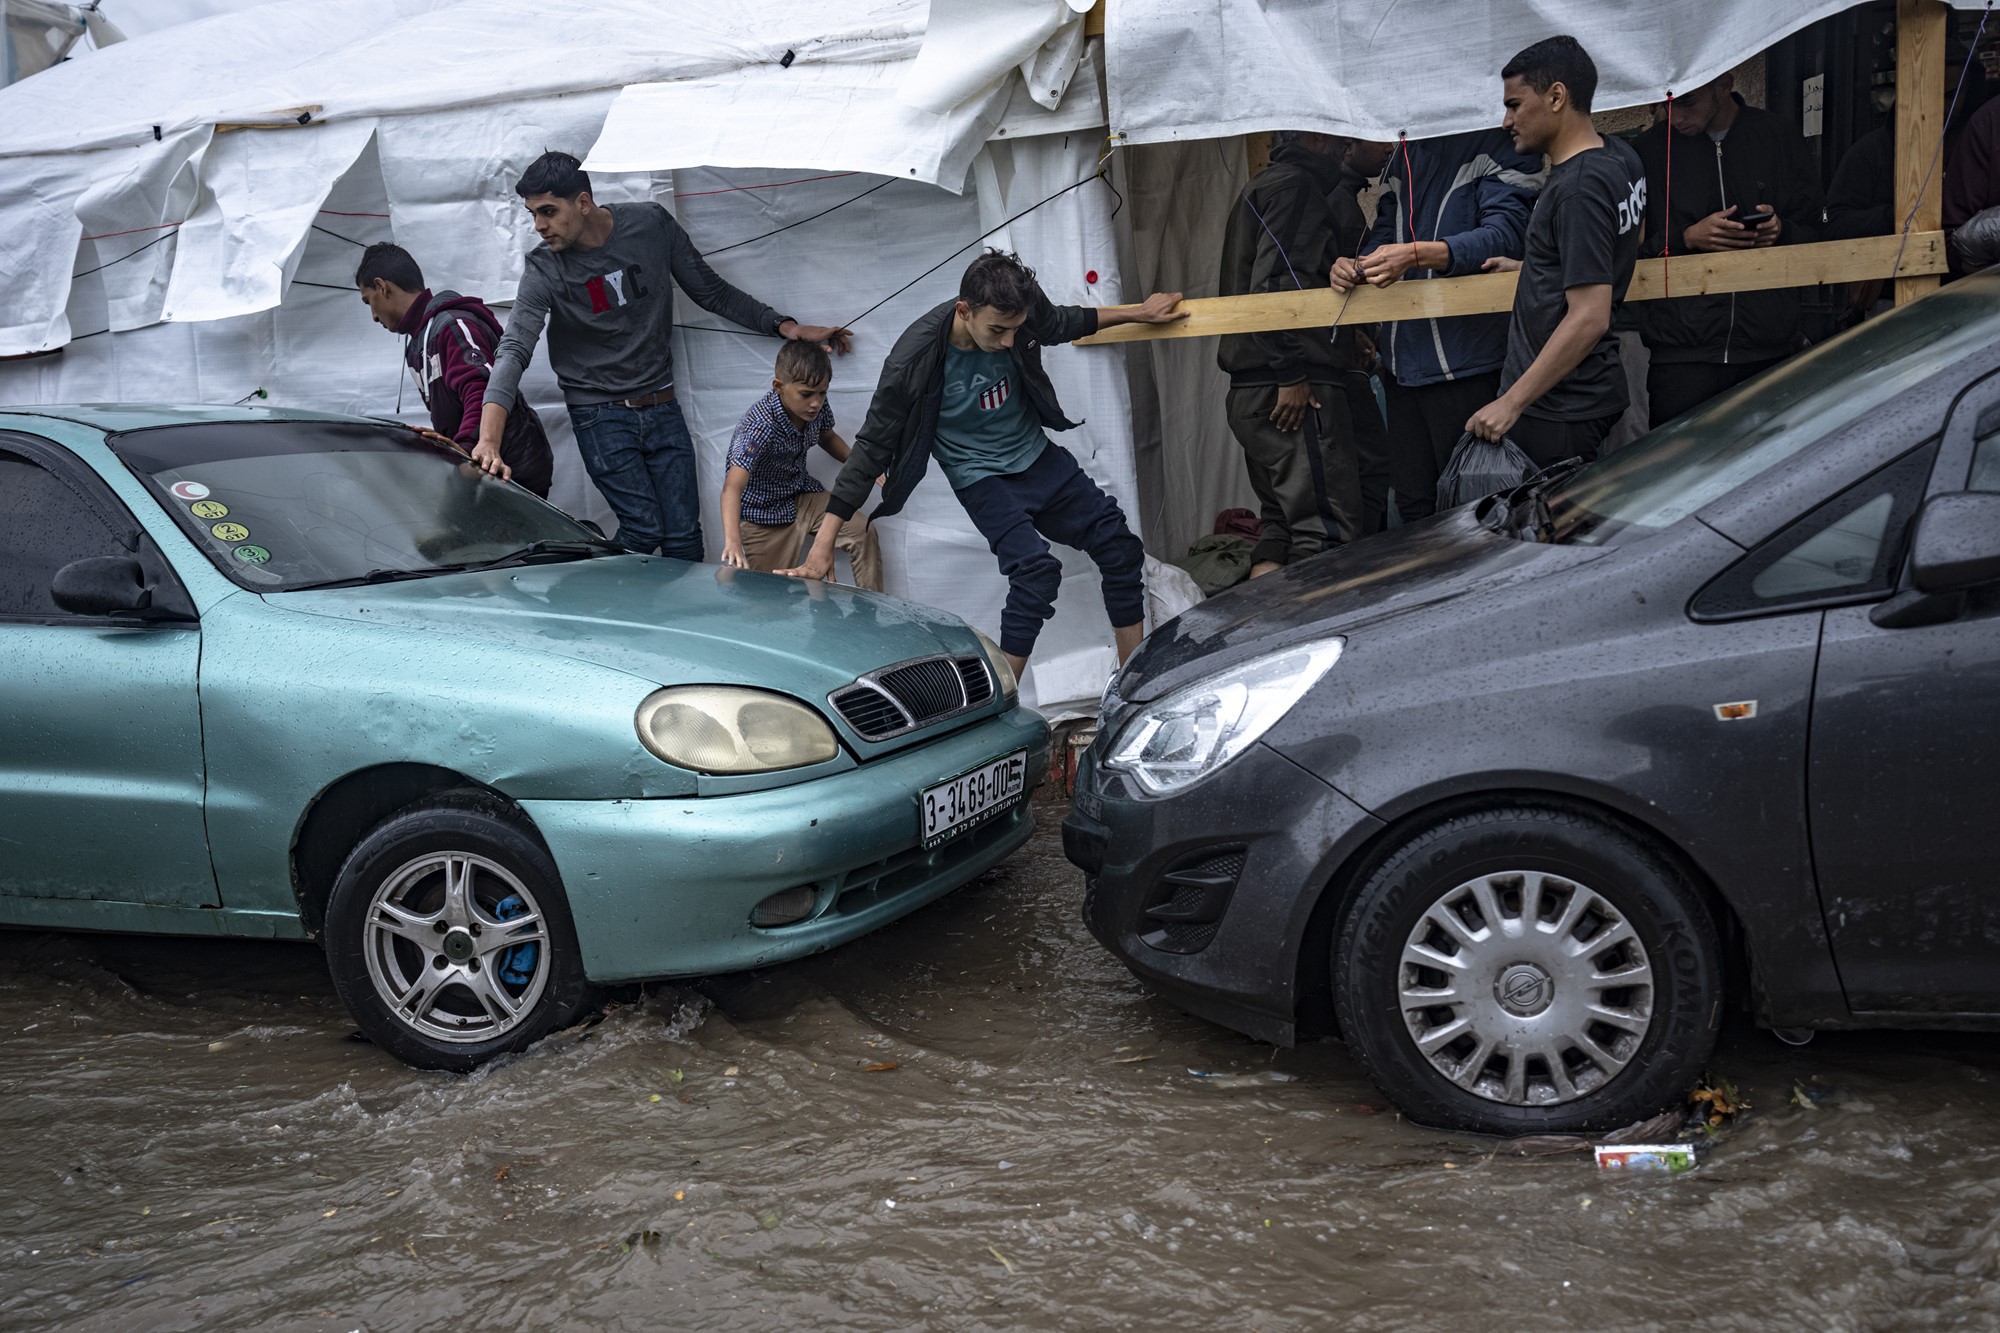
(280, 505)
(1677, 469)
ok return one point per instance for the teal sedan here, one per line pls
(290, 675)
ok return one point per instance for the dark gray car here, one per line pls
(1518, 798)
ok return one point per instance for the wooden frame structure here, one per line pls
(1914, 259)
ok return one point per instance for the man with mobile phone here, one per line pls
(1740, 181)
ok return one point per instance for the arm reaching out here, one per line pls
(510, 358)
(1159, 308)
(732, 517)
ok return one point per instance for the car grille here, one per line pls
(911, 695)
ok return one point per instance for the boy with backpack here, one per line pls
(448, 343)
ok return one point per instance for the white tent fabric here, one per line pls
(131, 210)
(382, 57)
(1377, 69)
(845, 115)
(970, 45)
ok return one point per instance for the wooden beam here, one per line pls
(291, 118)
(1489, 293)
(1093, 20)
(1920, 42)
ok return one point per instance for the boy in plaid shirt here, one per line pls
(770, 503)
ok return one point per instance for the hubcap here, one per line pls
(1525, 988)
(457, 947)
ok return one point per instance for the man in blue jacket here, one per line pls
(1470, 202)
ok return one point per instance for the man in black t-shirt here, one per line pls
(1562, 388)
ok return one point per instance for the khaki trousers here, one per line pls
(776, 547)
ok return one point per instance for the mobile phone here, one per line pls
(1751, 219)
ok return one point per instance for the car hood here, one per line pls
(1423, 565)
(665, 621)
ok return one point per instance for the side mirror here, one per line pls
(593, 525)
(101, 585)
(1957, 543)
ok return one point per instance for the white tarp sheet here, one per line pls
(238, 249)
(131, 212)
(849, 116)
(383, 57)
(971, 45)
(1376, 69)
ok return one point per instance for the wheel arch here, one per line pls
(1313, 979)
(346, 809)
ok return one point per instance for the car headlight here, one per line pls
(1003, 670)
(1190, 733)
(727, 729)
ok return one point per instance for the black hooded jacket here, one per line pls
(1287, 227)
(901, 426)
(1762, 160)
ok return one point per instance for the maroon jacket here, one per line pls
(452, 371)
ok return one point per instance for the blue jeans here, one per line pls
(642, 460)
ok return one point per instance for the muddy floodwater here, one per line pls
(973, 1119)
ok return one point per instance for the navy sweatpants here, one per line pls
(1054, 498)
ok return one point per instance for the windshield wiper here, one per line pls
(583, 547)
(378, 576)
(562, 546)
(1528, 506)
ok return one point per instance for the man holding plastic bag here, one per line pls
(1562, 388)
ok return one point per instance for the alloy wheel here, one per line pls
(457, 947)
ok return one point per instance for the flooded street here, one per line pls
(971, 1120)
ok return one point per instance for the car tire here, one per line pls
(449, 938)
(1528, 970)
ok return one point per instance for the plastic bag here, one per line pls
(1977, 240)
(1478, 468)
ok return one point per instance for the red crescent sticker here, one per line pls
(188, 490)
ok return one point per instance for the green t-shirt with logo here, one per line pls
(985, 425)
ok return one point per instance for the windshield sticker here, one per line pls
(252, 555)
(230, 532)
(189, 490)
(210, 509)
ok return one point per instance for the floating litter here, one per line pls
(1673, 1158)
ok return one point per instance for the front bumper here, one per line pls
(663, 888)
(1267, 828)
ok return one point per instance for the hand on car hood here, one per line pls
(662, 620)
(1399, 571)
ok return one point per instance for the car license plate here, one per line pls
(952, 807)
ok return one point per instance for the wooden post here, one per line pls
(1257, 151)
(1920, 42)
(1093, 20)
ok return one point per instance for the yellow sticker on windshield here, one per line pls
(230, 532)
(210, 509)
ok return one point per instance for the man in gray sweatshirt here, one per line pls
(603, 276)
